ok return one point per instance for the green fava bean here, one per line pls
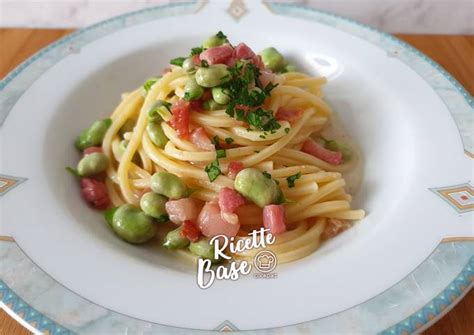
(220, 96)
(290, 68)
(156, 134)
(109, 215)
(132, 225)
(213, 41)
(341, 147)
(192, 91)
(82, 141)
(188, 65)
(212, 76)
(273, 60)
(169, 185)
(94, 135)
(154, 205)
(92, 164)
(174, 240)
(258, 188)
(203, 249)
(211, 105)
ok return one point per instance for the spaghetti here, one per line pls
(222, 121)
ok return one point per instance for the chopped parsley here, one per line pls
(229, 140)
(166, 104)
(220, 153)
(149, 83)
(72, 171)
(213, 170)
(217, 142)
(204, 63)
(240, 115)
(196, 51)
(178, 61)
(287, 130)
(220, 34)
(292, 179)
(247, 95)
(263, 120)
(156, 111)
(267, 175)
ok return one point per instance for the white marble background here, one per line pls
(410, 16)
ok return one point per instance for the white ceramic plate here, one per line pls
(412, 121)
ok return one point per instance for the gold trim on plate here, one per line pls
(7, 239)
(457, 239)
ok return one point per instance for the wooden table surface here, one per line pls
(454, 53)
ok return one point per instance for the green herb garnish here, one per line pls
(217, 142)
(178, 61)
(292, 179)
(213, 170)
(72, 171)
(263, 120)
(220, 153)
(267, 175)
(241, 115)
(149, 83)
(220, 34)
(247, 95)
(229, 140)
(196, 51)
(204, 63)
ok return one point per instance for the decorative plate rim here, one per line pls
(465, 277)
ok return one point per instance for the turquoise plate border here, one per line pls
(432, 300)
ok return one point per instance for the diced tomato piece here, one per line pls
(217, 55)
(196, 105)
(92, 150)
(234, 168)
(180, 119)
(200, 139)
(231, 62)
(334, 227)
(95, 193)
(317, 150)
(259, 62)
(196, 60)
(243, 51)
(212, 223)
(230, 200)
(190, 231)
(274, 219)
(290, 115)
(267, 77)
(182, 210)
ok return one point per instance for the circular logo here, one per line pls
(265, 261)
